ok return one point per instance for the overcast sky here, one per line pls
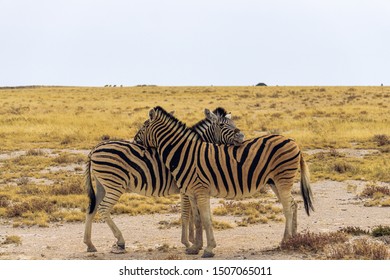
(202, 42)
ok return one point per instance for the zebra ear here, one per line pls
(210, 115)
(228, 116)
(152, 114)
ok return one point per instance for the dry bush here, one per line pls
(163, 248)
(381, 139)
(12, 239)
(31, 190)
(252, 212)
(22, 181)
(174, 257)
(343, 167)
(134, 204)
(69, 158)
(353, 230)
(73, 185)
(69, 216)
(254, 219)
(138, 209)
(221, 225)
(34, 204)
(17, 209)
(308, 241)
(4, 201)
(169, 224)
(380, 231)
(335, 153)
(68, 139)
(35, 152)
(220, 211)
(361, 249)
(371, 190)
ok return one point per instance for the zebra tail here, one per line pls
(89, 187)
(305, 187)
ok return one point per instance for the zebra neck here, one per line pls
(169, 142)
(204, 130)
(177, 149)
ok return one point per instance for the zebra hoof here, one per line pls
(192, 251)
(188, 245)
(118, 249)
(91, 249)
(208, 254)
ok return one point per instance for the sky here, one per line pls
(190, 43)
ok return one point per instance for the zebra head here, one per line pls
(139, 138)
(217, 127)
(158, 117)
(220, 128)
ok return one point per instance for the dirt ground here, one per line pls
(336, 206)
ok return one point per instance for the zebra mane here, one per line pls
(172, 118)
(199, 124)
(221, 112)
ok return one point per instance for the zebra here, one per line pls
(118, 166)
(203, 169)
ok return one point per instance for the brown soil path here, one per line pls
(336, 206)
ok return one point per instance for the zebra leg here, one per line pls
(119, 246)
(100, 193)
(289, 208)
(295, 217)
(203, 203)
(198, 243)
(186, 216)
(294, 208)
(274, 189)
(198, 237)
(198, 230)
(88, 231)
(109, 200)
(191, 233)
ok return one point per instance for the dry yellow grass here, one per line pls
(78, 117)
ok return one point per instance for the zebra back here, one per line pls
(124, 164)
(229, 171)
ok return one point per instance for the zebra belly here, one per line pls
(157, 187)
(234, 192)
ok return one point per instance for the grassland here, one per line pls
(62, 119)
(317, 117)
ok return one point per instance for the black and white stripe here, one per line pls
(203, 169)
(120, 166)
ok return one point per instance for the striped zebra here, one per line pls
(202, 169)
(119, 166)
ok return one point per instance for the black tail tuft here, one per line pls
(305, 187)
(306, 200)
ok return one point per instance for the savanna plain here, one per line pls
(47, 132)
